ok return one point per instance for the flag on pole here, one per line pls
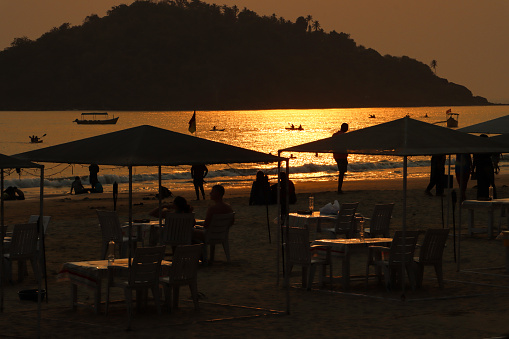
(192, 123)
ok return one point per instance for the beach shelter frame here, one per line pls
(146, 146)
(7, 162)
(402, 137)
(494, 126)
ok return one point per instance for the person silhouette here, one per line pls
(198, 173)
(341, 160)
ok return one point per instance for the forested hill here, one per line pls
(180, 55)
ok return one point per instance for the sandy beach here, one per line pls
(243, 299)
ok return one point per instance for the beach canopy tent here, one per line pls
(146, 146)
(494, 126)
(7, 162)
(402, 137)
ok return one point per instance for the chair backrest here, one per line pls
(380, 220)
(178, 229)
(298, 245)
(110, 226)
(184, 265)
(146, 266)
(403, 251)
(219, 227)
(45, 220)
(345, 222)
(433, 245)
(24, 241)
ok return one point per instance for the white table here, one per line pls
(91, 273)
(345, 247)
(490, 206)
(305, 220)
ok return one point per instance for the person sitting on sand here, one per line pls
(219, 207)
(179, 205)
(13, 193)
(77, 186)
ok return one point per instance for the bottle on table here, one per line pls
(111, 252)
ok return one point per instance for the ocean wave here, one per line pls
(231, 174)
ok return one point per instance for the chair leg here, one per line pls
(129, 302)
(226, 247)
(167, 296)
(311, 276)
(193, 286)
(176, 290)
(212, 252)
(440, 276)
(157, 298)
(304, 276)
(104, 249)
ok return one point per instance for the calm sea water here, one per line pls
(257, 130)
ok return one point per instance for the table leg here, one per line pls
(346, 269)
(97, 297)
(490, 224)
(470, 221)
(74, 296)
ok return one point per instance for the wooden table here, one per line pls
(490, 206)
(344, 248)
(90, 274)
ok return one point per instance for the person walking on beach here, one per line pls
(93, 169)
(463, 167)
(436, 177)
(198, 173)
(341, 160)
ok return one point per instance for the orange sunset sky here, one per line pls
(467, 38)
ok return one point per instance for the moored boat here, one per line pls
(106, 120)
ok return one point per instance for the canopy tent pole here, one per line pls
(405, 175)
(153, 238)
(287, 237)
(2, 236)
(129, 247)
(279, 241)
(41, 258)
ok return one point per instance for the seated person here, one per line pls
(77, 186)
(219, 207)
(98, 188)
(13, 193)
(179, 205)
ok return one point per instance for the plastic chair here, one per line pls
(345, 220)
(300, 252)
(380, 221)
(23, 247)
(392, 260)
(218, 233)
(112, 230)
(143, 275)
(177, 230)
(183, 271)
(431, 254)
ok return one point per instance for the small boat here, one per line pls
(215, 129)
(34, 139)
(293, 128)
(452, 119)
(372, 116)
(95, 121)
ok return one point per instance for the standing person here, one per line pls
(93, 169)
(463, 167)
(485, 173)
(436, 177)
(260, 190)
(341, 160)
(198, 172)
